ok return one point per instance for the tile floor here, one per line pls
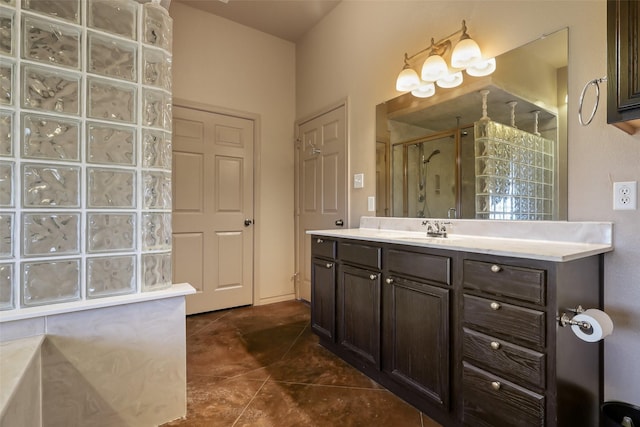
(262, 366)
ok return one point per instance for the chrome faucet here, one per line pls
(436, 228)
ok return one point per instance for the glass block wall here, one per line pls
(85, 150)
(514, 173)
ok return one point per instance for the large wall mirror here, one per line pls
(493, 148)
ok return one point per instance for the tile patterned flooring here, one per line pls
(262, 366)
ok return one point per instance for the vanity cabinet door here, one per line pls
(623, 57)
(358, 321)
(416, 337)
(323, 297)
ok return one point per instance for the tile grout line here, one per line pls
(250, 401)
(201, 328)
(295, 341)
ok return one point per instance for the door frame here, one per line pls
(344, 102)
(194, 105)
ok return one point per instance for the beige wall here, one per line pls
(223, 64)
(357, 51)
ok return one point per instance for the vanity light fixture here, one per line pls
(465, 55)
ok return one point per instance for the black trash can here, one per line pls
(614, 412)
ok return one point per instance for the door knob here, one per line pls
(339, 223)
(248, 222)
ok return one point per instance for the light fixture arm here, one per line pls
(441, 46)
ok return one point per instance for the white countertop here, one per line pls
(542, 240)
(176, 290)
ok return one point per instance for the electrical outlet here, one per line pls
(625, 196)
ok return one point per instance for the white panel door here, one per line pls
(321, 184)
(213, 208)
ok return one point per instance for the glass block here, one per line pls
(6, 32)
(158, 26)
(110, 144)
(156, 149)
(156, 271)
(6, 287)
(167, 73)
(168, 112)
(47, 137)
(111, 276)
(67, 9)
(112, 57)
(51, 90)
(110, 232)
(52, 43)
(156, 231)
(6, 184)
(111, 188)
(152, 144)
(157, 190)
(153, 108)
(50, 282)
(6, 83)
(167, 152)
(6, 235)
(50, 186)
(111, 101)
(6, 132)
(50, 234)
(114, 16)
(153, 67)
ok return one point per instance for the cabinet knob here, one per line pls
(319, 241)
(495, 306)
(389, 280)
(373, 276)
(495, 385)
(496, 268)
(495, 345)
(329, 265)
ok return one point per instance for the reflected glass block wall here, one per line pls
(515, 173)
(85, 150)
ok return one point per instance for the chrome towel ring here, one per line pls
(596, 83)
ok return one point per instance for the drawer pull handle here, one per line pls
(495, 306)
(495, 345)
(329, 265)
(389, 280)
(495, 385)
(496, 268)
(320, 241)
(373, 276)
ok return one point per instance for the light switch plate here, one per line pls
(358, 180)
(371, 203)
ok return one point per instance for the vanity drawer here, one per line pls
(430, 267)
(504, 358)
(526, 284)
(353, 253)
(504, 319)
(322, 247)
(489, 400)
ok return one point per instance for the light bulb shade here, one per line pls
(434, 68)
(450, 80)
(482, 68)
(465, 53)
(407, 80)
(425, 90)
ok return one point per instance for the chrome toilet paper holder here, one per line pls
(566, 319)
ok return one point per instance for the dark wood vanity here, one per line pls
(623, 64)
(468, 338)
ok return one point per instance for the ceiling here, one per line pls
(286, 19)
